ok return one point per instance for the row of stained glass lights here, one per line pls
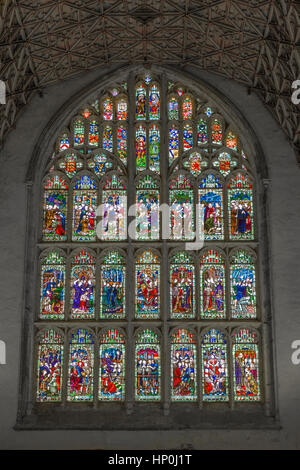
(112, 378)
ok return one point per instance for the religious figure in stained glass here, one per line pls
(181, 209)
(114, 202)
(147, 286)
(50, 362)
(83, 286)
(81, 366)
(240, 206)
(122, 143)
(147, 206)
(154, 103)
(52, 297)
(147, 366)
(112, 285)
(246, 366)
(243, 290)
(183, 366)
(112, 366)
(212, 285)
(140, 102)
(154, 148)
(84, 209)
(55, 208)
(141, 149)
(214, 367)
(211, 200)
(202, 136)
(182, 286)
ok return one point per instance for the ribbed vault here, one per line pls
(254, 42)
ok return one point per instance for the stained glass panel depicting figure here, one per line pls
(214, 367)
(140, 102)
(173, 112)
(147, 209)
(173, 144)
(147, 367)
(243, 285)
(107, 139)
(114, 202)
(112, 285)
(79, 131)
(49, 367)
(202, 137)
(246, 376)
(83, 286)
(181, 209)
(187, 108)
(212, 286)
(55, 209)
(112, 366)
(154, 103)
(122, 144)
(147, 288)
(183, 366)
(52, 297)
(240, 208)
(211, 205)
(141, 148)
(81, 366)
(154, 148)
(84, 209)
(182, 286)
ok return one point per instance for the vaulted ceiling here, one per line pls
(254, 42)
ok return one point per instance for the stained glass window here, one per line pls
(147, 366)
(81, 366)
(147, 206)
(246, 366)
(211, 204)
(55, 208)
(112, 285)
(183, 366)
(214, 366)
(64, 142)
(122, 109)
(112, 366)
(187, 137)
(216, 132)
(154, 148)
(107, 139)
(173, 143)
(231, 141)
(187, 108)
(79, 131)
(70, 164)
(100, 164)
(173, 109)
(212, 285)
(225, 163)
(84, 209)
(52, 297)
(243, 285)
(93, 134)
(181, 209)
(182, 286)
(140, 102)
(83, 286)
(154, 102)
(147, 288)
(114, 202)
(122, 143)
(141, 149)
(108, 109)
(202, 135)
(240, 208)
(195, 163)
(49, 367)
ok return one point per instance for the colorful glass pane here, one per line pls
(141, 148)
(187, 137)
(93, 134)
(83, 286)
(212, 290)
(240, 207)
(173, 109)
(182, 214)
(211, 204)
(243, 290)
(81, 367)
(182, 289)
(202, 138)
(140, 102)
(84, 209)
(107, 139)
(64, 142)
(154, 148)
(173, 144)
(231, 141)
(216, 132)
(112, 285)
(100, 164)
(112, 367)
(52, 302)
(154, 103)
(224, 163)
(122, 109)
(187, 108)
(55, 209)
(183, 367)
(147, 207)
(147, 367)
(214, 367)
(246, 367)
(78, 133)
(108, 109)
(71, 165)
(122, 144)
(114, 202)
(49, 367)
(147, 287)
(195, 163)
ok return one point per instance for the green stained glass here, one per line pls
(81, 366)
(147, 367)
(183, 367)
(112, 366)
(246, 377)
(214, 367)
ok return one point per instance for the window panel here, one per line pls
(183, 366)
(246, 366)
(81, 366)
(214, 367)
(147, 366)
(112, 366)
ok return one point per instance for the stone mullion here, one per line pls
(130, 291)
(164, 282)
